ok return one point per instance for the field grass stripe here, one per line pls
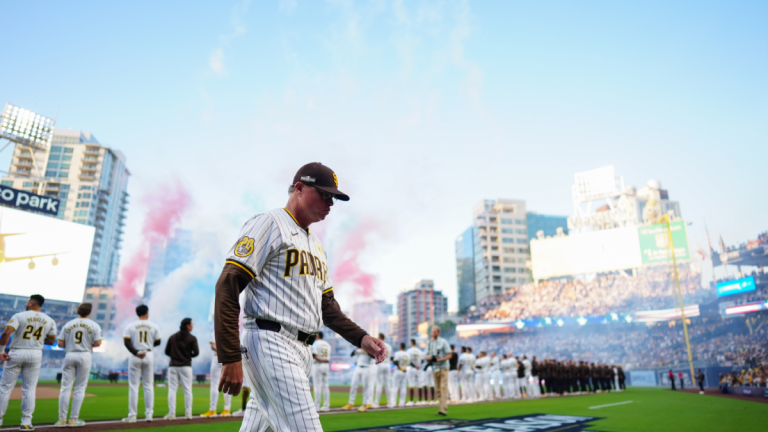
(613, 404)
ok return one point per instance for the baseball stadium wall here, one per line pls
(608, 250)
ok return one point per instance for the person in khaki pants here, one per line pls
(439, 352)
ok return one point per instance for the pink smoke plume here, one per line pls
(165, 206)
(347, 268)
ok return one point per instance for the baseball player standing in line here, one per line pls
(414, 369)
(382, 376)
(283, 268)
(495, 376)
(528, 377)
(361, 375)
(181, 348)
(399, 384)
(467, 372)
(139, 338)
(453, 376)
(31, 330)
(482, 378)
(78, 337)
(321, 353)
(215, 376)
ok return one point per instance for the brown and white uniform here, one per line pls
(284, 270)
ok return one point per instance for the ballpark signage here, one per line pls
(29, 201)
(526, 423)
(736, 286)
(654, 243)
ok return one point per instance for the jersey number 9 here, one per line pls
(30, 330)
(78, 337)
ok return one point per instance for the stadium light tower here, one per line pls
(29, 129)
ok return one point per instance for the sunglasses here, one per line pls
(326, 196)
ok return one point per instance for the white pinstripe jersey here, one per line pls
(402, 360)
(80, 334)
(30, 328)
(289, 269)
(321, 349)
(416, 355)
(142, 334)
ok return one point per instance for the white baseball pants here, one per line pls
(496, 386)
(368, 388)
(467, 387)
(382, 381)
(453, 385)
(322, 390)
(27, 363)
(529, 386)
(215, 378)
(75, 370)
(398, 387)
(141, 370)
(510, 386)
(360, 375)
(180, 375)
(522, 385)
(412, 375)
(278, 367)
(536, 386)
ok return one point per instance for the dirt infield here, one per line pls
(41, 393)
(117, 425)
(716, 392)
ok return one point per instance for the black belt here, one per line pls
(305, 338)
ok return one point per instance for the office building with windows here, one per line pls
(104, 305)
(417, 305)
(497, 241)
(91, 181)
(547, 224)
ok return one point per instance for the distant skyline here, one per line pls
(423, 108)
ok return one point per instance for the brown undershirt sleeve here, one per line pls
(231, 283)
(335, 320)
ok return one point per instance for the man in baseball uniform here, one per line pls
(321, 354)
(510, 375)
(399, 384)
(482, 376)
(453, 376)
(215, 376)
(31, 330)
(181, 348)
(78, 337)
(281, 265)
(467, 374)
(382, 375)
(139, 338)
(414, 369)
(360, 376)
(494, 372)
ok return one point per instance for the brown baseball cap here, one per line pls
(320, 176)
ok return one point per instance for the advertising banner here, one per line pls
(43, 255)
(654, 243)
(642, 378)
(29, 201)
(531, 422)
(736, 286)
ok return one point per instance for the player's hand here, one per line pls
(141, 355)
(231, 378)
(374, 347)
(4, 357)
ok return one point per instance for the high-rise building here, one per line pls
(104, 304)
(465, 269)
(91, 181)
(373, 316)
(499, 248)
(547, 224)
(418, 305)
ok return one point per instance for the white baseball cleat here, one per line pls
(129, 419)
(169, 417)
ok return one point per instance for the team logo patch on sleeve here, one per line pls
(244, 247)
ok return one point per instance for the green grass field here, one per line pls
(651, 409)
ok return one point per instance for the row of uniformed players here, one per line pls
(471, 378)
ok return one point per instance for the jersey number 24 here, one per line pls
(30, 331)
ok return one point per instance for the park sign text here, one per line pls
(29, 201)
(524, 423)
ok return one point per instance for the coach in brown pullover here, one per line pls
(181, 348)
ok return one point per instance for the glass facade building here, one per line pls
(465, 269)
(546, 223)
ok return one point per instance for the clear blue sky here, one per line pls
(422, 107)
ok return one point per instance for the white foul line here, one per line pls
(613, 404)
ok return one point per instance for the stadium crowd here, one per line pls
(612, 293)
